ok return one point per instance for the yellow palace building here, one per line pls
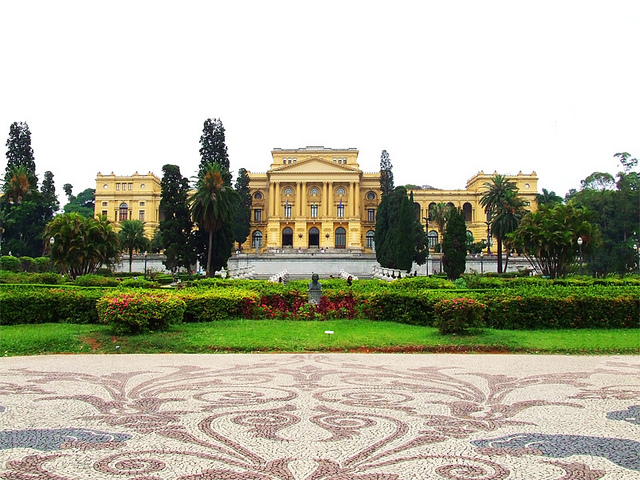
(310, 198)
(318, 197)
(134, 197)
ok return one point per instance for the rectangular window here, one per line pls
(131, 186)
(141, 216)
(371, 215)
(257, 215)
(314, 211)
(340, 211)
(117, 186)
(142, 204)
(104, 204)
(104, 213)
(287, 211)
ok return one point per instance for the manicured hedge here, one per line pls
(25, 304)
(555, 308)
(215, 304)
(527, 306)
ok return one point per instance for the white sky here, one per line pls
(448, 88)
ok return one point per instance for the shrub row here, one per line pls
(30, 304)
(519, 308)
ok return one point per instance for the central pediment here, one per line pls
(315, 165)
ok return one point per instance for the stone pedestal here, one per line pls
(315, 296)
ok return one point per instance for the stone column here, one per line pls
(303, 198)
(352, 201)
(357, 200)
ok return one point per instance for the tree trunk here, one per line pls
(130, 259)
(499, 241)
(506, 262)
(209, 253)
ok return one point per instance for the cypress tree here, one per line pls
(454, 244)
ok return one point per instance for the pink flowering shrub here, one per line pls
(134, 312)
(458, 315)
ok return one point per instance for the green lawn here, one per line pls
(297, 336)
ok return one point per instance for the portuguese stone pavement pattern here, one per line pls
(319, 416)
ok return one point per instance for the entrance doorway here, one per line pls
(314, 237)
(287, 237)
(341, 237)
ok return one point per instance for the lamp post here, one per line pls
(51, 242)
(426, 222)
(481, 263)
(636, 250)
(145, 264)
(580, 252)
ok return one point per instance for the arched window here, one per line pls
(314, 191)
(466, 209)
(256, 239)
(370, 236)
(314, 237)
(433, 239)
(450, 204)
(287, 237)
(341, 237)
(124, 212)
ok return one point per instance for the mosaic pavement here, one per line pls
(319, 416)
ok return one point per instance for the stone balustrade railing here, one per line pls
(388, 274)
(282, 277)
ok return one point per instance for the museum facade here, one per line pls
(311, 198)
(318, 198)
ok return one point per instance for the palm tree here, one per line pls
(212, 204)
(507, 218)
(17, 187)
(438, 215)
(548, 198)
(498, 202)
(131, 236)
(81, 245)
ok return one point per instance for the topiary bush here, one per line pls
(138, 283)
(458, 315)
(96, 281)
(135, 312)
(10, 263)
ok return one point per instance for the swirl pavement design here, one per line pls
(319, 417)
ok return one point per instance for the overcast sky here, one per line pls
(448, 88)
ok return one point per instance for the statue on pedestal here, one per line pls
(315, 290)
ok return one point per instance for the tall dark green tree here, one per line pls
(175, 230)
(24, 210)
(242, 217)
(386, 174)
(212, 207)
(20, 153)
(617, 210)
(454, 244)
(48, 191)
(84, 204)
(213, 148)
(396, 231)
